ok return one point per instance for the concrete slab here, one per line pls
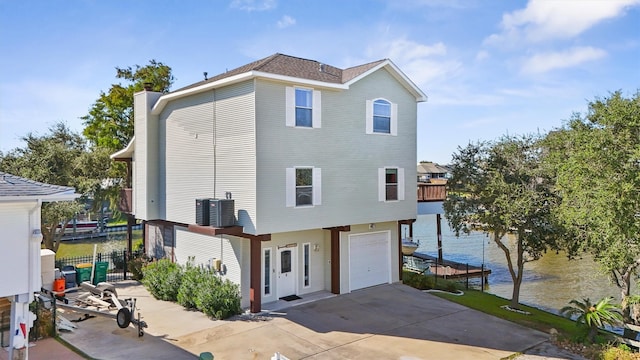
(384, 322)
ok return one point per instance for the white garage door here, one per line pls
(369, 260)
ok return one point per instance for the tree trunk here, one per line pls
(517, 280)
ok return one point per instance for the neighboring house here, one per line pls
(319, 162)
(20, 203)
(428, 171)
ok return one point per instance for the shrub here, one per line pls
(117, 258)
(163, 278)
(619, 353)
(216, 298)
(136, 265)
(191, 281)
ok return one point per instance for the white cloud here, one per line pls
(545, 19)
(286, 21)
(422, 63)
(544, 62)
(482, 55)
(253, 5)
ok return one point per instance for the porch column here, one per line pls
(335, 256)
(255, 297)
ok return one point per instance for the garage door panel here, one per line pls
(369, 262)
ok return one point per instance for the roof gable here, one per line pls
(294, 69)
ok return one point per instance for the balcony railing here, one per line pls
(431, 192)
(126, 201)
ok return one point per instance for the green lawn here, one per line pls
(85, 247)
(538, 319)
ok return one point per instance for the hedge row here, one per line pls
(194, 287)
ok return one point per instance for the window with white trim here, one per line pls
(266, 271)
(382, 117)
(390, 184)
(306, 263)
(302, 107)
(303, 186)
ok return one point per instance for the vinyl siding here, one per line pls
(16, 233)
(349, 157)
(191, 168)
(146, 200)
(231, 251)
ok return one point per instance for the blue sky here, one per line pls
(489, 67)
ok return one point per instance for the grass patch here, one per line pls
(538, 319)
(85, 247)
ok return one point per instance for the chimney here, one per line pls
(148, 86)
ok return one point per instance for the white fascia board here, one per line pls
(398, 74)
(126, 153)
(163, 100)
(66, 196)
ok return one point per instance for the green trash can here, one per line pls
(83, 273)
(100, 274)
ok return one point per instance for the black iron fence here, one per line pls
(117, 260)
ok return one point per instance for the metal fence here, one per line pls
(117, 259)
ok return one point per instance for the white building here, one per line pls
(20, 203)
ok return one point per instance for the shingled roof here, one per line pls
(16, 186)
(287, 65)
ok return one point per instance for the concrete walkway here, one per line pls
(384, 322)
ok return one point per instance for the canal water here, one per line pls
(549, 283)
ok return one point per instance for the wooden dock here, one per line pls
(448, 269)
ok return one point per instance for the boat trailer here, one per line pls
(104, 298)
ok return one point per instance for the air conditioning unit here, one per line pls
(221, 213)
(202, 212)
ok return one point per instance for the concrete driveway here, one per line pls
(383, 322)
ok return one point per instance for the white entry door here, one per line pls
(286, 271)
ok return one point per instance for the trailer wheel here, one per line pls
(123, 318)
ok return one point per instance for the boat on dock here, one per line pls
(409, 246)
(427, 264)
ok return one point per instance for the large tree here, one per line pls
(60, 158)
(596, 158)
(500, 188)
(109, 124)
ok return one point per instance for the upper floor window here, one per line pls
(382, 117)
(390, 184)
(303, 107)
(304, 101)
(303, 186)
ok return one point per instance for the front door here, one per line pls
(286, 271)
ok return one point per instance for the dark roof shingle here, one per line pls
(12, 185)
(287, 65)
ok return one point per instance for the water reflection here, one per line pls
(549, 283)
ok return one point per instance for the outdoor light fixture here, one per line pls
(36, 234)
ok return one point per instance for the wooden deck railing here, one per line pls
(431, 192)
(126, 201)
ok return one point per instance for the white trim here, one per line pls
(393, 126)
(369, 117)
(264, 251)
(396, 73)
(127, 152)
(307, 245)
(290, 106)
(316, 178)
(316, 109)
(290, 198)
(382, 184)
(400, 185)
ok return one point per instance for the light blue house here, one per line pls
(311, 169)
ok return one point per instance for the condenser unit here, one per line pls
(202, 212)
(222, 213)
